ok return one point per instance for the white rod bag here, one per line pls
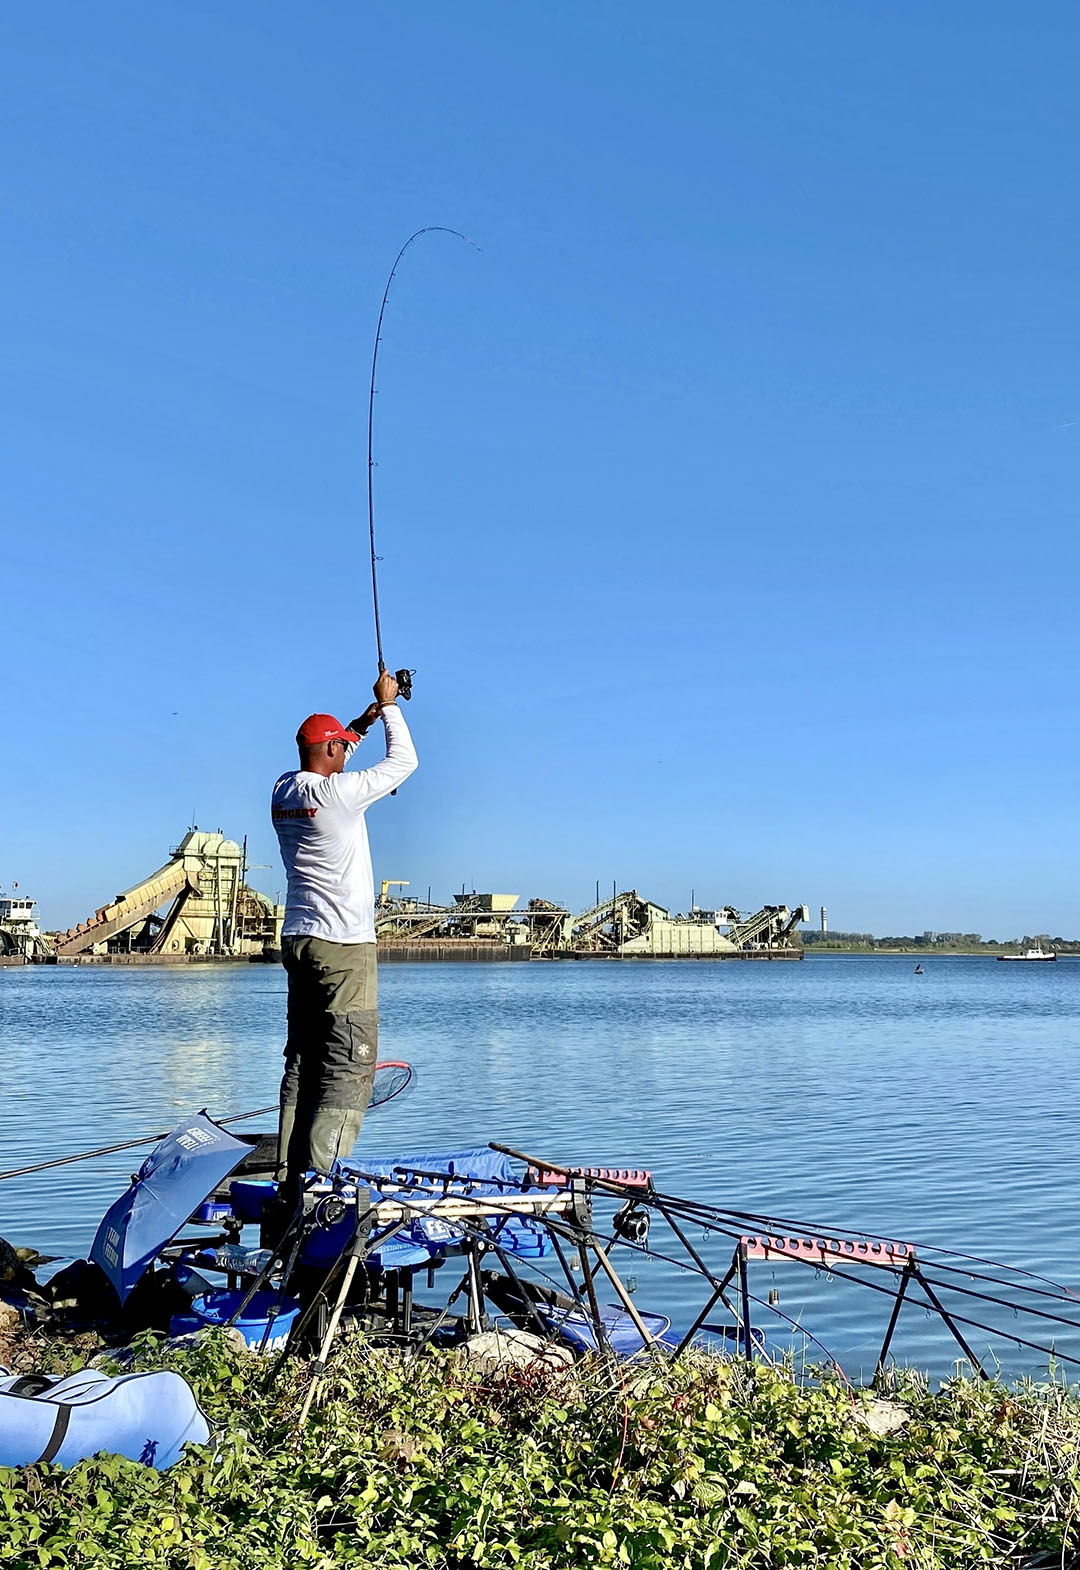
(146, 1417)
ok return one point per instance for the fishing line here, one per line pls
(945, 1285)
(696, 1210)
(111, 1150)
(715, 1224)
(406, 686)
(1063, 1295)
(976, 1324)
(800, 1329)
(714, 1219)
(999, 1302)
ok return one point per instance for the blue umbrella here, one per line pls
(174, 1179)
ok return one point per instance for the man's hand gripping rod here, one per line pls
(388, 689)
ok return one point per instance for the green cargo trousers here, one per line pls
(329, 1055)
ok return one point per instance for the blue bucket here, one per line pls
(214, 1309)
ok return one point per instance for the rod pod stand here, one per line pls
(308, 1217)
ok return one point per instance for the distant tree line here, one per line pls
(937, 942)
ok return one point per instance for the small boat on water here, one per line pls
(1035, 955)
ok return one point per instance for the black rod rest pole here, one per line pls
(152, 1139)
(905, 1282)
(127, 1144)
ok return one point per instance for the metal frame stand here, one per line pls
(560, 1200)
(358, 1249)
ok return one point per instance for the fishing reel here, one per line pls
(328, 1210)
(631, 1222)
(404, 687)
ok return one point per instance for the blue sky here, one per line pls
(727, 497)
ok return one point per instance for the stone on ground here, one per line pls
(503, 1348)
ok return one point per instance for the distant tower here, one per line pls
(824, 919)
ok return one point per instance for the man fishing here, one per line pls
(328, 939)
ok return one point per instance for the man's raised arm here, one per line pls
(400, 760)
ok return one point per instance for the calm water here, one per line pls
(938, 1108)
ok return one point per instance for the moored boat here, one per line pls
(1036, 954)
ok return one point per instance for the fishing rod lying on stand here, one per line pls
(402, 677)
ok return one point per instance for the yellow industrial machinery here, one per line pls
(623, 926)
(391, 883)
(197, 903)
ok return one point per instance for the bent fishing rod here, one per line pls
(402, 677)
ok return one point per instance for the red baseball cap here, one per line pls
(323, 727)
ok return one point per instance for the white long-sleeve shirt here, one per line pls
(324, 844)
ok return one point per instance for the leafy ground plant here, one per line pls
(424, 1462)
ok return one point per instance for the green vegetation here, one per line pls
(931, 943)
(425, 1462)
